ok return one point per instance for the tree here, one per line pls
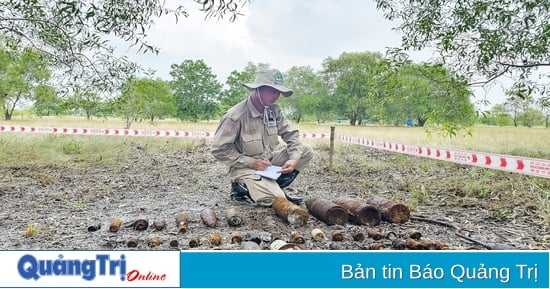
(46, 101)
(354, 80)
(145, 98)
(488, 39)
(21, 72)
(518, 102)
(76, 34)
(196, 90)
(310, 95)
(544, 104)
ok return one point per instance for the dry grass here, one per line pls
(528, 142)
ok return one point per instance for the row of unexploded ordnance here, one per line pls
(208, 217)
(362, 212)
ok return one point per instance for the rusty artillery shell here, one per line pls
(292, 213)
(159, 224)
(249, 245)
(441, 246)
(318, 235)
(215, 239)
(296, 238)
(139, 225)
(414, 244)
(234, 217)
(428, 244)
(337, 236)
(282, 245)
(236, 238)
(374, 246)
(174, 243)
(398, 244)
(374, 234)
(115, 225)
(194, 242)
(359, 211)
(327, 211)
(414, 234)
(132, 243)
(154, 242)
(358, 236)
(209, 218)
(389, 210)
(182, 222)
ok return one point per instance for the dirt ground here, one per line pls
(71, 206)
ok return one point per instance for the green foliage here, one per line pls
(21, 72)
(310, 95)
(145, 98)
(195, 90)
(76, 34)
(354, 80)
(486, 39)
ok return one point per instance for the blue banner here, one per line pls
(364, 269)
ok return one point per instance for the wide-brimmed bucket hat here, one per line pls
(272, 78)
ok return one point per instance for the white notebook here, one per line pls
(271, 172)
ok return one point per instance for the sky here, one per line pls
(283, 33)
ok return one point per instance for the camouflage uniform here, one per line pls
(245, 134)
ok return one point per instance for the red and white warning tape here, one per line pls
(105, 131)
(523, 165)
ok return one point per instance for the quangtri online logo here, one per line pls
(93, 268)
(29, 267)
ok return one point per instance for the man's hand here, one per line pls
(289, 166)
(261, 165)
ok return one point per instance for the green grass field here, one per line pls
(518, 141)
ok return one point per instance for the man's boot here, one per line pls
(284, 181)
(239, 192)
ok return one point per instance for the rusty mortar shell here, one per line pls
(428, 244)
(441, 246)
(215, 239)
(374, 234)
(292, 213)
(154, 242)
(414, 234)
(358, 236)
(209, 217)
(337, 236)
(234, 217)
(194, 242)
(115, 225)
(318, 235)
(414, 244)
(182, 221)
(174, 243)
(91, 228)
(159, 224)
(236, 238)
(140, 225)
(398, 244)
(296, 238)
(132, 243)
(375, 246)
